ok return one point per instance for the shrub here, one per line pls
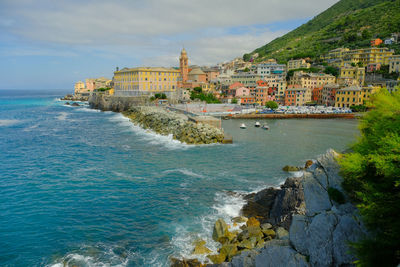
(271, 105)
(336, 195)
(372, 178)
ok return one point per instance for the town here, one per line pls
(343, 79)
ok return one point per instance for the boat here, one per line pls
(257, 124)
(243, 126)
(265, 127)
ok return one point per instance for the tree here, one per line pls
(246, 57)
(372, 178)
(246, 69)
(234, 101)
(198, 89)
(332, 70)
(271, 105)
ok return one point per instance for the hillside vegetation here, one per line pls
(349, 23)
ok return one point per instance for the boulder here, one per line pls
(281, 233)
(298, 233)
(217, 258)
(315, 196)
(229, 250)
(245, 259)
(331, 168)
(252, 222)
(289, 168)
(200, 248)
(273, 256)
(186, 263)
(266, 226)
(308, 163)
(239, 219)
(220, 230)
(271, 233)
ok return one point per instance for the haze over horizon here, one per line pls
(50, 45)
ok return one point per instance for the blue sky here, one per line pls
(47, 44)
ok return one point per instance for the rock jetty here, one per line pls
(302, 223)
(165, 122)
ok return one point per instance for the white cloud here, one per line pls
(152, 30)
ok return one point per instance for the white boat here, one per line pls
(257, 124)
(265, 127)
(243, 126)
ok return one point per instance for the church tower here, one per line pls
(183, 64)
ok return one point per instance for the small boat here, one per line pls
(243, 126)
(257, 124)
(265, 127)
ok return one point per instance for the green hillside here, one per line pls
(348, 23)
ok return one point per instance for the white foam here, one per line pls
(63, 116)
(227, 206)
(86, 109)
(151, 137)
(297, 174)
(184, 171)
(8, 122)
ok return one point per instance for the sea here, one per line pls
(81, 187)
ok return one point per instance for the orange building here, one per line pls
(376, 42)
(297, 96)
(317, 94)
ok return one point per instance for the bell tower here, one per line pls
(183, 65)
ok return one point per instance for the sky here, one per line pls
(51, 44)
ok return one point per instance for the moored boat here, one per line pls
(243, 126)
(257, 124)
(265, 127)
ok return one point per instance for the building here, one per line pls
(295, 96)
(394, 63)
(349, 96)
(328, 95)
(145, 81)
(242, 92)
(342, 56)
(97, 83)
(80, 89)
(183, 65)
(271, 68)
(279, 85)
(316, 95)
(298, 64)
(247, 79)
(311, 80)
(264, 93)
(350, 75)
(373, 67)
(246, 100)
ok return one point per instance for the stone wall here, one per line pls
(166, 122)
(115, 103)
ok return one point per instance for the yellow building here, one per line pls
(349, 96)
(145, 81)
(394, 63)
(311, 80)
(342, 56)
(79, 88)
(350, 75)
(368, 91)
(297, 64)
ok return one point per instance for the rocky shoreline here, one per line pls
(165, 122)
(308, 221)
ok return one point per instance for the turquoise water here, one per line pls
(88, 188)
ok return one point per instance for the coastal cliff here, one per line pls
(115, 103)
(166, 122)
(308, 221)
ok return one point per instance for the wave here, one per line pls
(227, 206)
(151, 137)
(6, 123)
(63, 116)
(184, 171)
(96, 256)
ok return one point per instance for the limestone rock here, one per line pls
(200, 248)
(331, 167)
(253, 222)
(298, 233)
(272, 256)
(281, 233)
(288, 168)
(315, 196)
(266, 226)
(217, 258)
(220, 229)
(239, 219)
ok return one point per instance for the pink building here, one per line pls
(242, 91)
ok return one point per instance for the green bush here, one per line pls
(234, 101)
(372, 178)
(336, 195)
(358, 108)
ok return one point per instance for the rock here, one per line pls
(298, 233)
(259, 204)
(289, 200)
(319, 239)
(220, 230)
(331, 167)
(75, 104)
(347, 230)
(308, 163)
(239, 219)
(273, 256)
(288, 168)
(217, 258)
(281, 233)
(271, 233)
(253, 222)
(245, 259)
(315, 196)
(67, 103)
(229, 250)
(321, 177)
(266, 226)
(248, 243)
(200, 248)
(186, 263)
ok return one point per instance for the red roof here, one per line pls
(235, 85)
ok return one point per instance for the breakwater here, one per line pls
(166, 122)
(294, 116)
(115, 103)
(308, 221)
